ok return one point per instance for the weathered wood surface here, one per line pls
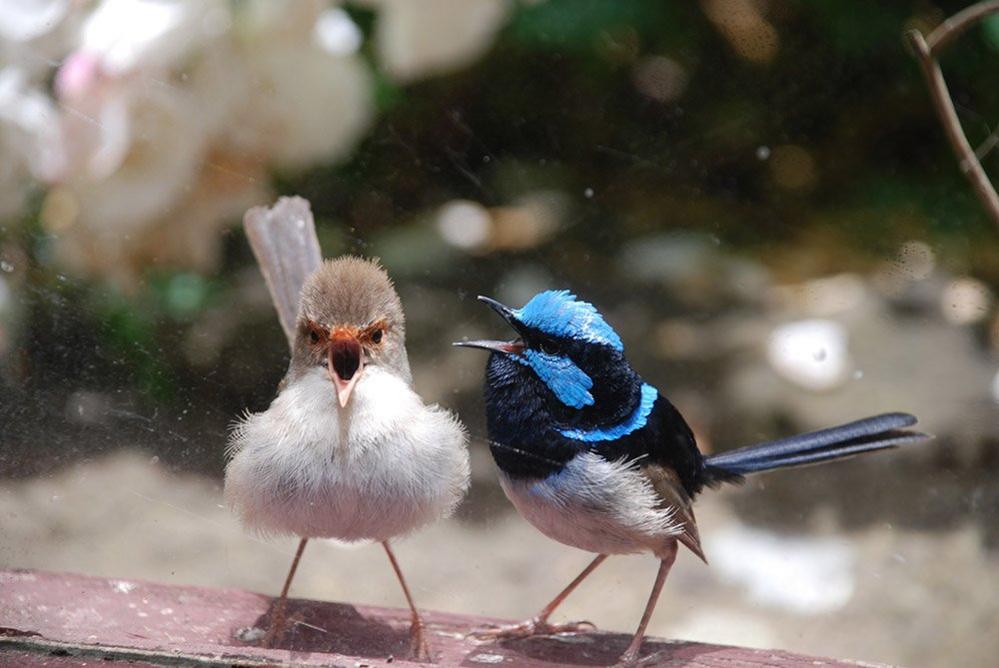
(62, 620)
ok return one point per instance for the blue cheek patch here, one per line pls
(566, 380)
(633, 422)
(560, 314)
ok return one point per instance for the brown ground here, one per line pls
(895, 595)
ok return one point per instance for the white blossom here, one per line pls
(310, 106)
(174, 111)
(419, 38)
(28, 147)
(26, 20)
(166, 117)
(337, 33)
(150, 34)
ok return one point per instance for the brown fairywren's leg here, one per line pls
(539, 623)
(277, 618)
(418, 647)
(630, 655)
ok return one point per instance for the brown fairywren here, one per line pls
(347, 450)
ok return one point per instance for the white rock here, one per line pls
(811, 353)
(802, 575)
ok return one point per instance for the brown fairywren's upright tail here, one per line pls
(283, 239)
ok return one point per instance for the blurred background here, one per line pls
(756, 193)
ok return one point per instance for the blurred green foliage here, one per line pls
(555, 105)
(556, 98)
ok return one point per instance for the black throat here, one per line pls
(525, 418)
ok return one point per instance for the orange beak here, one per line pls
(345, 363)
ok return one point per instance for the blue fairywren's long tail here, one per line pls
(880, 432)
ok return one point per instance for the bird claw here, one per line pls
(572, 627)
(528, 628)
(419, 650)
(632, 660)
(626, 660)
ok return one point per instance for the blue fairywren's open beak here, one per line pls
(345, 363)
(503, 310)
(506, 347)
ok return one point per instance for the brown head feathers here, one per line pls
(352, 291)
(352, 295)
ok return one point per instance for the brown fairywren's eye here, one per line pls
(313, 336)
(376, 336)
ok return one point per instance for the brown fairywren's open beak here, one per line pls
(345, 362)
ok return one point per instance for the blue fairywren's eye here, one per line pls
(547, 347)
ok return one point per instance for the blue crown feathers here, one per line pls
(559, 313)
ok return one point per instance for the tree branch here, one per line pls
(926, 51)
(955, 26)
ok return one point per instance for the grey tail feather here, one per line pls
(880, 432)
(283, 239)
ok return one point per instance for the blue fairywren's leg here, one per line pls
(276, 626)
(418, 647)
(630, 655)
(538, 625)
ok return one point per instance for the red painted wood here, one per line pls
(64, 620)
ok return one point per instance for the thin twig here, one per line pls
(986, 146)
(926, 51)
(955, 26)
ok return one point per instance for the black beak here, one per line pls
(504, 311)
(507, 347)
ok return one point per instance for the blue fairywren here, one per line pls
(598, 459)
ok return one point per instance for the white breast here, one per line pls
(595, 505)
(383, 466)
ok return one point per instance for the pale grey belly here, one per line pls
(369, 497)
(595, 505)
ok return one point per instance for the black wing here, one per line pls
(665, 440)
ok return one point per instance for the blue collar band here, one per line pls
(633, 422)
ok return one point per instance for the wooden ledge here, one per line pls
(64, 620)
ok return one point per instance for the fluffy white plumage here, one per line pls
(597, 506)
(383, 466)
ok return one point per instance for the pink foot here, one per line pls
(419, 650)
(630, 659)
(528, 628)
